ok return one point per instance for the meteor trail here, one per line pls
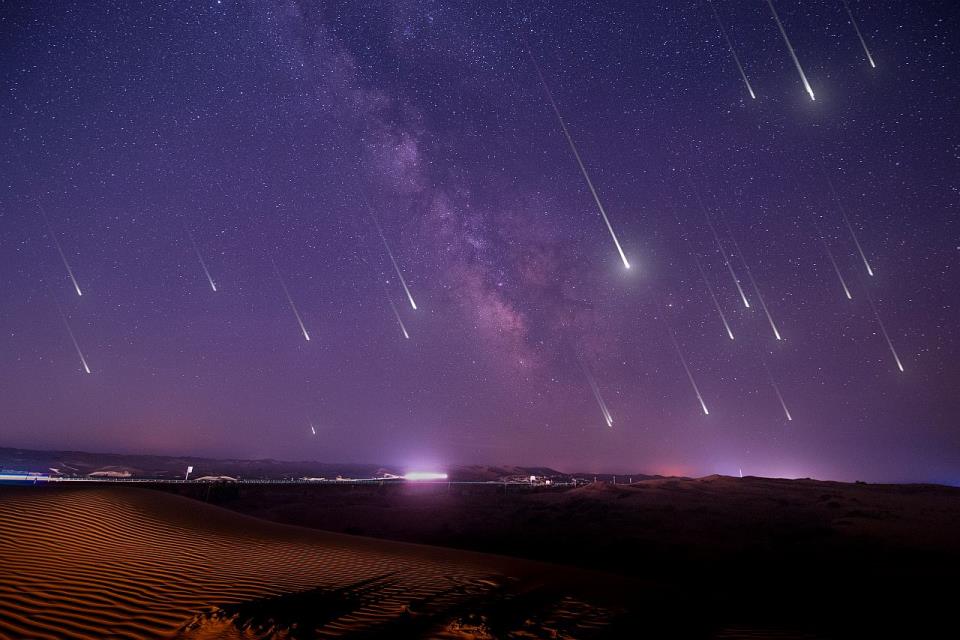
(63, 256)
(596, 394)
(803, 76)
(716, 239)
(313, 429)
(883, 330)
(776, 387)
(393, 260)
(703, 275)
(732, 51)
(202, 262)
(683, 361)
(576, 155)
(713, 296)
(856, 28)
(73, 339)
(836, 268)
(823, 240)
(753, 283)
(293, 306)
(846, 220)
(399, 320)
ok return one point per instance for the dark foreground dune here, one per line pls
(133, 563)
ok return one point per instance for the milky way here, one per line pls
(830, 223)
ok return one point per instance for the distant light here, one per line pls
(533, 478)
(425, 475)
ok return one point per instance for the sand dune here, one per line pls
(133, 563)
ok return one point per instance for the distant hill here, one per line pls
(83, 463)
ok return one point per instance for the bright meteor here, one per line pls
(63, 256)
(856, 28)
(73, 338)
(883, 330)
(776, 387)
(596, 394)
(846, 219)
(716, 239)
(783, 32)
(703, 276)
(753, 283)
(683, 361)
(733, 53)
(203, 263)
(393, 260)
(576, 155)
(396, 314)
(293, 306)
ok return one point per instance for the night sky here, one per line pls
(264, 129)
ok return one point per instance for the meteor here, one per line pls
(203, 264)
(883, 330)
(73, 339)
(846, 219)
(393, 260)
(776, 387)
(576, 155)
(596, 394)
(313, 430)
(683, 361)
(713, 296)
(856, 28)
(796, 62)
(716, 239)
(399, 320)
(293, 306)
(823, 240)
(836, 268)
(63, 256)
(732, 51)
(753, 283)
(703, 275)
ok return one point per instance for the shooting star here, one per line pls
(836, 268)
(883, 330)
(796, 62)
(596, 394)
(393, 260)
(683, 361)
(812, 219)
(396, 314)
(703, 276)
(776, 387)
(313, 430)
(732, 51)
(716, 239)
(713, 296)
(856, 28)
(293, 306)
(73, 338)
(63, 256)
(846, 219)
(753, 282)
(576, 155)
(741, 471)
(203, 263)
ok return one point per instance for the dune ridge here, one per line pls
(134, 563)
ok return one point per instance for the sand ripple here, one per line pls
(132, 563)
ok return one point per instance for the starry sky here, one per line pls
(270, 131)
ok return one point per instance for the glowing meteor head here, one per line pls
(424, 475)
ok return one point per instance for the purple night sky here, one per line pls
(262, 129)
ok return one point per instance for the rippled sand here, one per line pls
(133, 563)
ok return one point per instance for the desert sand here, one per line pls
(133, 563)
